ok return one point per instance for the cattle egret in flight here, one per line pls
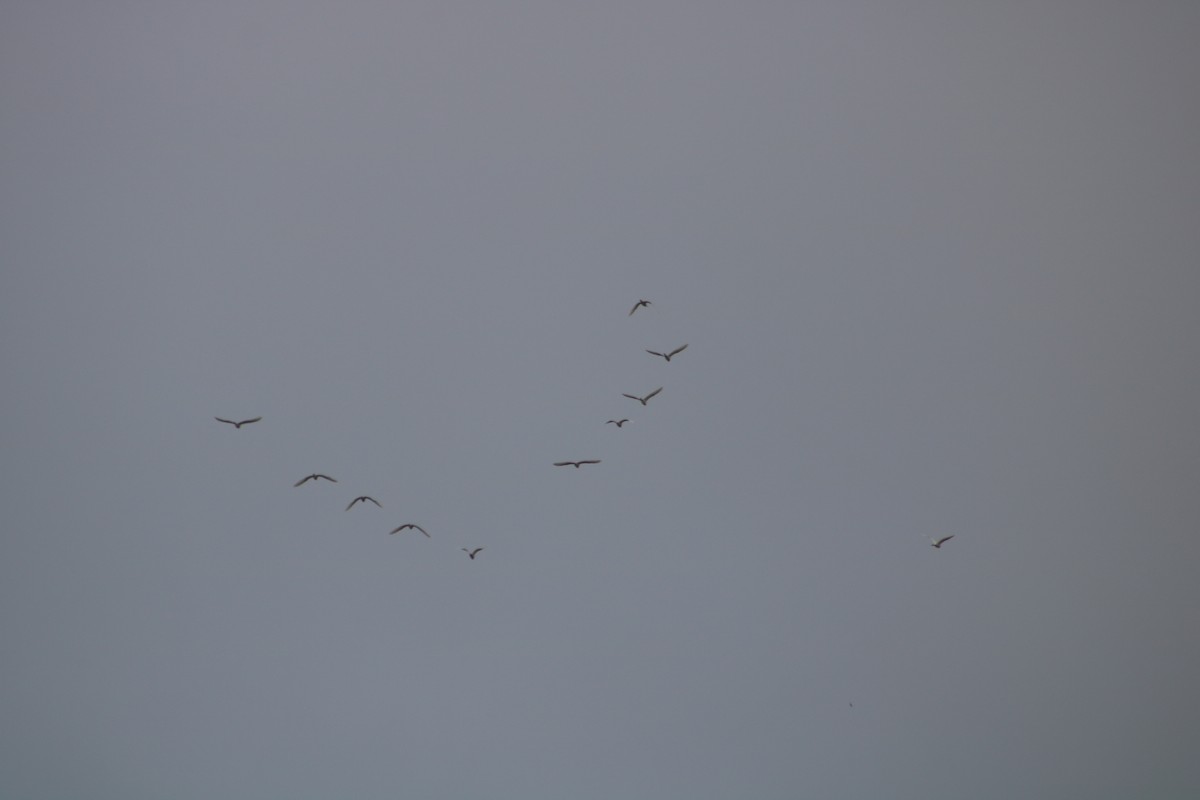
(667, 356)
(643, 400)
(363, 500)
(237, 424)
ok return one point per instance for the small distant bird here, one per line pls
(667, 356)
(313, 477)
(410, 526)
(362, 499)
(471, 553)
(638, 305)
(237, 424)
(643, 400)
(574, 464)
(617, 422)
(939, 542)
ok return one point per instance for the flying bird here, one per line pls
(237, 424)
(362, 499)
(939, 542)
(643, 400)
(574, 464)
(617, 422)
(313, 477)
(471, 553)
(667, 356)
(410, 526)
(638, 305)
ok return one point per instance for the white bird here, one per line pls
(362, 499)
(410, 526)
(237, 424)
(617, 422)
(638, 305)
(574, 464)
(471, 553)
(667, 356)
(313, 477)
(939, 542)
(643, 400)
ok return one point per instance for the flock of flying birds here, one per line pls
(643, 400)
(316, 477)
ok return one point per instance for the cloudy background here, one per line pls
(936, 263)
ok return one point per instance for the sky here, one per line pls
(935, 264)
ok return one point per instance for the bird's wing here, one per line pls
(248, 421)
(945, 539)
(635, 308)
(656, 391)
(228, 421)
(422, 530)
(326, 477)
(564, 463)
(397, 530)
(678, 350)
(597, 461)
(302, 480)
(352, 502)
(373, 500)
(656, 353)
(631, 396)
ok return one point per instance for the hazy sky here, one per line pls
(936, 264)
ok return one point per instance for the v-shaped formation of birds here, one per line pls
(472, 552)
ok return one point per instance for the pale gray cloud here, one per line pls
(936, 269)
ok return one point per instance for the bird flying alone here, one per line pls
(617, 422)
(471, 553)
(410, 526)
(575, 464)
(237, 424)
(315, 476)
(638, 305)
(939, 542)
(667, 356)
(643, 400)
(362, 500)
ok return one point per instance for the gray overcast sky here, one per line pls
(936, 263)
